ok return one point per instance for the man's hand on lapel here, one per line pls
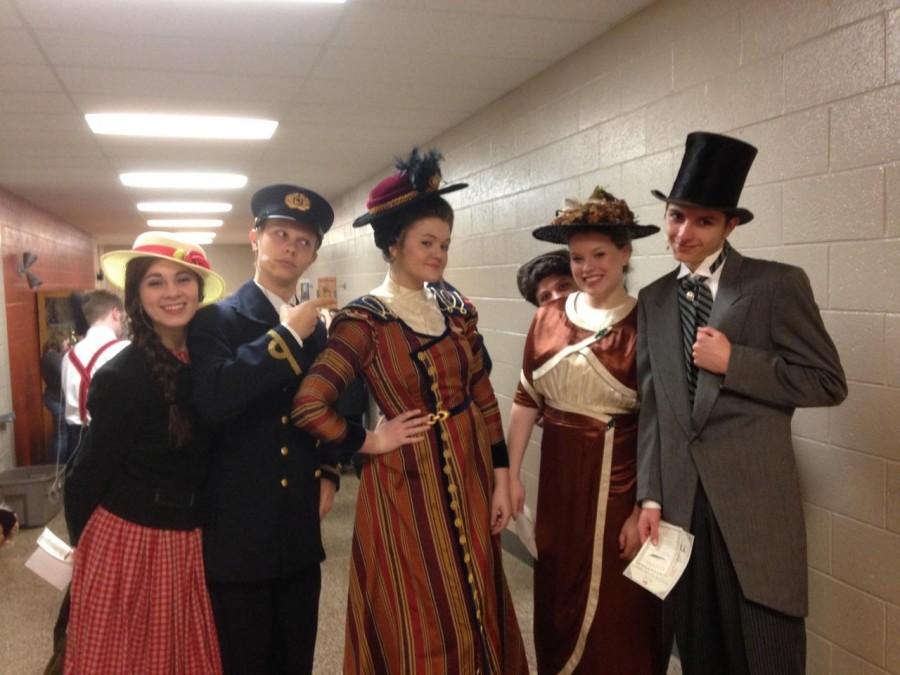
(712, 350)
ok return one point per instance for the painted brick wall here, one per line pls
(65, 262)
(815, 84)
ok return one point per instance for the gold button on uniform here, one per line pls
(285, 419)
(451, 488)
(447, 470)
(284, 482)
(462, 540)
(318, 473)
(458, 522)
(284, 450)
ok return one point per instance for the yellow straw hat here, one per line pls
(166, 247)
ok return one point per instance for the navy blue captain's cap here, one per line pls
(292, 202)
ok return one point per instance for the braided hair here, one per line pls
(164, 366)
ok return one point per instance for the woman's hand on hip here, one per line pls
(407, 427)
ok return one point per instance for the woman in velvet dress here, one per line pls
(427, 588)
(578, 370)
(134, 495)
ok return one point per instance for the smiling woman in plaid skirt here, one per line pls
(133, 499)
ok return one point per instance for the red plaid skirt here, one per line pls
(139, 602)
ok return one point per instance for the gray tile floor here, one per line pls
(28, 605)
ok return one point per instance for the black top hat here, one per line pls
(418, 177)
(292, 202)
(712, 174)
(602, 211)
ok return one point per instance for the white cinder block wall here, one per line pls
(816, 86)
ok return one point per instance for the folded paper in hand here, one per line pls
(659, 567)
(52, 560)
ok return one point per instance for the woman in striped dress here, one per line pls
(427, 588)
(134, 495)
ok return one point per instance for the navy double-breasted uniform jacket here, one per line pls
(263, 487)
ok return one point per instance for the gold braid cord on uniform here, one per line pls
(278, 349)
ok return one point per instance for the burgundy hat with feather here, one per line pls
(417, 178)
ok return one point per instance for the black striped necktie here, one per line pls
(695, 303)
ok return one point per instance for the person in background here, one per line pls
(579, 371)
(105, 317)
(270, 483)
(134, 493)
(546, 277)
(427, 588)
(728, 347)
(51, 371)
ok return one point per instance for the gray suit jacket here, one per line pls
(737, 437)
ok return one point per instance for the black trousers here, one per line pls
(73, 437)
(719, 631)
(270, 626)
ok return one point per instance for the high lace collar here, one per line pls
(417, 307)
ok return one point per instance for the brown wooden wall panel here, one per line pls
(65, 262)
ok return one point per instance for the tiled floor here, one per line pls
(28, 605)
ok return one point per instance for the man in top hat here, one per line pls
(270, 483)
(728, 347)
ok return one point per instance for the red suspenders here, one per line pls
(86, 375)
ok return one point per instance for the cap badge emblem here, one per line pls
(298, 201)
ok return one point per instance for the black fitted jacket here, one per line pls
(127, 462)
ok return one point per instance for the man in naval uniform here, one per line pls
(270, 483)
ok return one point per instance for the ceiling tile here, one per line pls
(372, 115)
(279, 22)
(237, 104)
(578, 10)
(134, 154)
(432, 32)
(176, 54)
(28, 78)
(17, 47)
(8, 17)
(35, 102)
(36, 122)
(363, 93)
(373, 65)
(199, 86)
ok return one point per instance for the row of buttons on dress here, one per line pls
(452, 489)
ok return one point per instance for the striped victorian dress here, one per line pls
(427, 591)
(579, 370)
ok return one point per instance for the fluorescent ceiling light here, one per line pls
(183, 180)
(185, 222)
(184, 207)
(181, 126)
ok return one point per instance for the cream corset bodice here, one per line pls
(574, 379)
(579, 383)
